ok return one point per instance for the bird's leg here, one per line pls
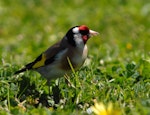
(56, 92)
(49, 89)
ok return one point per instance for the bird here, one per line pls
(54, 62)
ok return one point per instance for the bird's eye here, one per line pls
(84, 32)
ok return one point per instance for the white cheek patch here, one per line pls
(75, 30)
(78, 40)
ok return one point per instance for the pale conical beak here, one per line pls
(93, 33)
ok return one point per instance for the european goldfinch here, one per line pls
(53, 63)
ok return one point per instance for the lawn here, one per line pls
(117, 69)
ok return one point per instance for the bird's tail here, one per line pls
(27, 67)
(31, 65)
(20, 71)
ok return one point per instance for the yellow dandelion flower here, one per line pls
(109, 108)
(101, 109)
(129, 46)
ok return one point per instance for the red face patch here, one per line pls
(85, 38)
(83, 28)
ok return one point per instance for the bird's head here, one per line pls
(79, 35)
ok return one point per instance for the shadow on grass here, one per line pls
(28, 91)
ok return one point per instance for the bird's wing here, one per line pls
(48, 56)
(45, 58)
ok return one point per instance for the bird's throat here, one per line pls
(85, 38)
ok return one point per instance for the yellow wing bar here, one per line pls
(40, 63)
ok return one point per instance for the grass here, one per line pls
(117, 69)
